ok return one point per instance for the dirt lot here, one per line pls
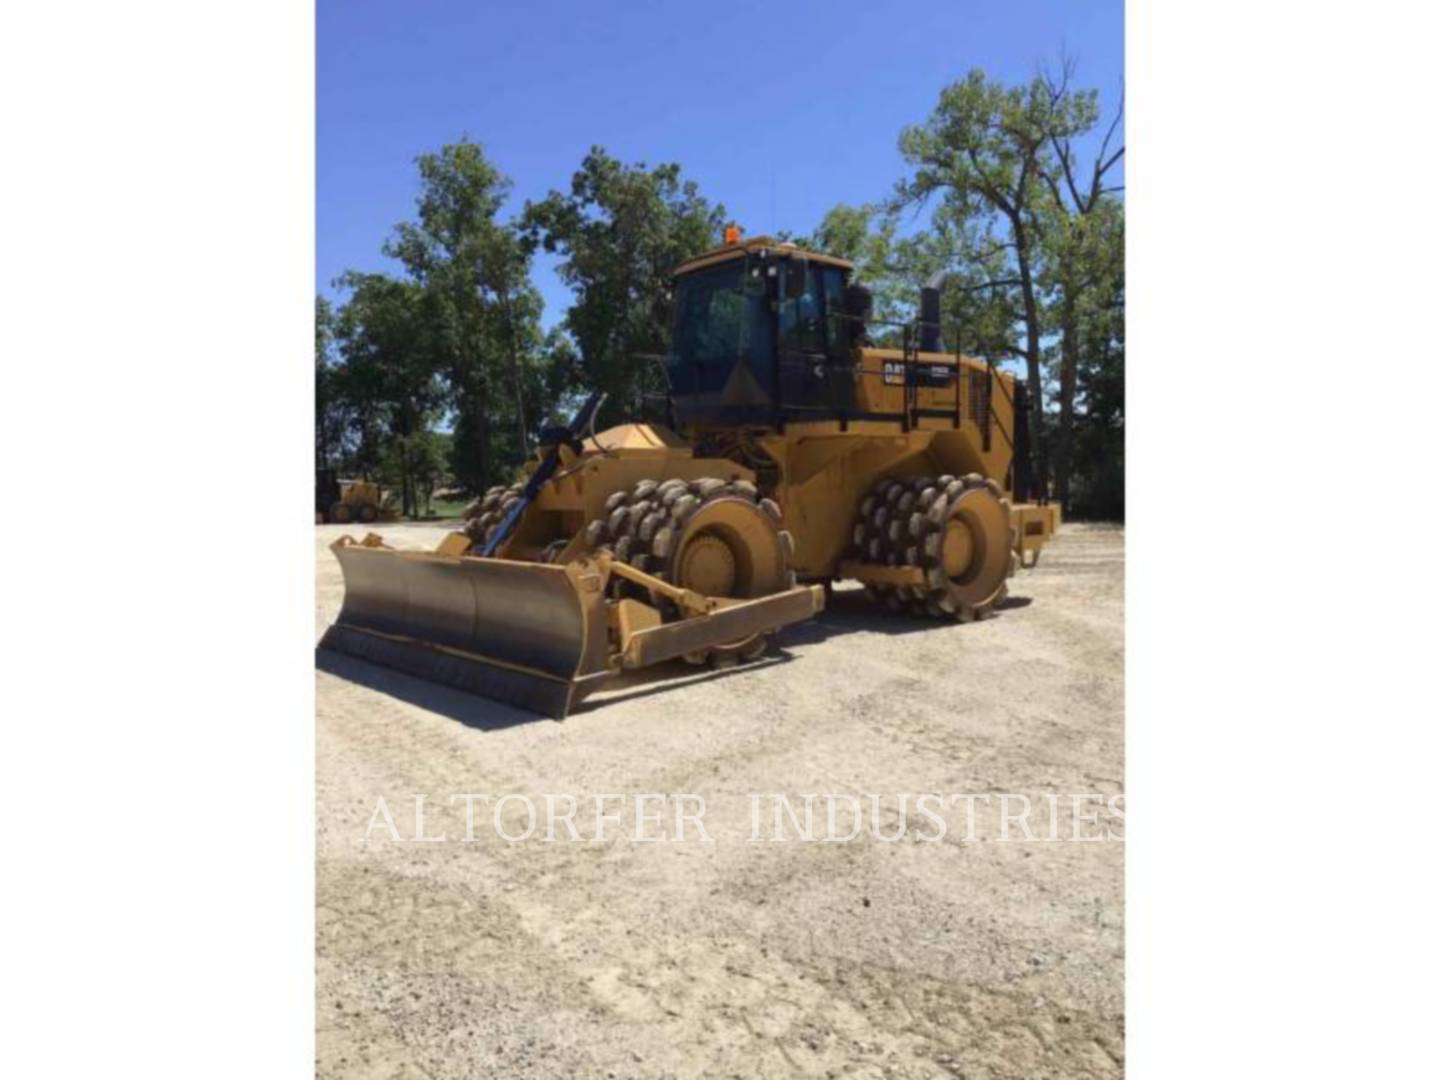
(913, 958)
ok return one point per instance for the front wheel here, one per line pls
(715, 537)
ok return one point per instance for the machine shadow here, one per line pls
(469, 709)
(847, 611)
(484, 714)
(633, 685)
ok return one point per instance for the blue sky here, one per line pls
(777, 110)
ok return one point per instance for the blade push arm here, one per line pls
(556, 438)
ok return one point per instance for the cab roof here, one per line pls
(756, 243)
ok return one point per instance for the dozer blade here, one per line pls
(528, 634)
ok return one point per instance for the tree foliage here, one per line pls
(330, 410)
(1027, 240)
(476, 269)
(454, 340)
(1032, 241)
(416, 464)
(389, 333)
(620, 231)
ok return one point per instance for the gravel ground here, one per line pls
(871, 958)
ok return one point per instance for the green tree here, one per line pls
(1083, 273)
(1095, 487)
(1100, 438)
(391, 337)
(476, 271)
(1083, 254)
(330, 413)
(417, 464)
(982, 152)
(620, 232)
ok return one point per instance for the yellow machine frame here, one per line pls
(531, 605)
(824, 467)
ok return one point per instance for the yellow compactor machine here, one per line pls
(799, 454)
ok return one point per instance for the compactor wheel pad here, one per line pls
(483, 516)
(717, 537)
(956, 529)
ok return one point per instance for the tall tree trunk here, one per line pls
(515, 371)
(481, 427)
(1039, 465)
(1065, 433)
(407, 481)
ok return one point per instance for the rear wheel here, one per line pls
(366, 513)
(716, 537)
(956, 530)
(340, 513)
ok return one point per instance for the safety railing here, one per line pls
(974, 393)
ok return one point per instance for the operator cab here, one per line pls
(762, 332)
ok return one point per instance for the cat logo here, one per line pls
(925, 374)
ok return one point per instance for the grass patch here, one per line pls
(448, 508)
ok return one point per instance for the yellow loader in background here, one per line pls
(339, 502)
(800, 454)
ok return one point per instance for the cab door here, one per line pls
(815, 369)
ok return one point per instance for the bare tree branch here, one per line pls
(997, 283)
(1119, 112)
(1055, 191)
(1063, 152)
(1103, 169)
(985, 186)
(995, 248)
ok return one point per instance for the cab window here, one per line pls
(713, 316)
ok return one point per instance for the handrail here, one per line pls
(992, 376)
(909, 361)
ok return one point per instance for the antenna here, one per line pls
(773, 224)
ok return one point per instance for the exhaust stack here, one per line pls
(930, 339)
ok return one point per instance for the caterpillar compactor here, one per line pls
(799, 454)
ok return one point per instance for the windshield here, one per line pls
(717, 324)
(713, 317)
